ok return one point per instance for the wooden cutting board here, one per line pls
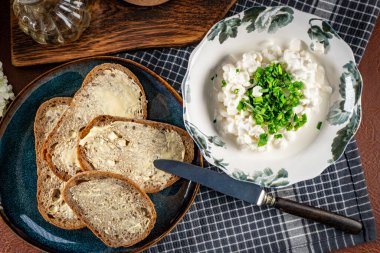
(118, 26)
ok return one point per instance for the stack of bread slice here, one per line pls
(95, 154)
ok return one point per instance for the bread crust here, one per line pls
(103, 120)
(50, 140)
(88, 175)
(39, 138)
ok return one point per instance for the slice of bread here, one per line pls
(109, 89)
(49, 187)
(114, 208)
(128, 147)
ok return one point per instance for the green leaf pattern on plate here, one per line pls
(354, 74)
(216, 141)
(273, 19)
(345, 134)
(320, 33)
(203, 141)
(220, 163)
(350, 90)
(258, 18)
(265, 178)
(336, 115)
(250, 16)
(326, 27)
(225, 29)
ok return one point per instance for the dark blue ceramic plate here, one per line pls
(18, 165)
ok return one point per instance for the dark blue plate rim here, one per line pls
(23, 94)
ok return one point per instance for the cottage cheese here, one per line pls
(299, 63)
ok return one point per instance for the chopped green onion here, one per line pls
(279, 68)
(240, 106)
(237, 70)
(319, 125)
(259, 119)
(258, 99)
(236, 91)
(273, 110)
(278, 136)
(263, 139)
(224, 83)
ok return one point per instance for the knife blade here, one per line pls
(255, 194)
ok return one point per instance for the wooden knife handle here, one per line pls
(317, 214)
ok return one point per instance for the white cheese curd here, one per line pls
(297, 62)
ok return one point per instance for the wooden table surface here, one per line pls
(368, 137)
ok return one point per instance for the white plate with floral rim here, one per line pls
(245, 32)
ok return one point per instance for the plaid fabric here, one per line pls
(218, 223)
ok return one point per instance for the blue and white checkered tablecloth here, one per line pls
(217, 223)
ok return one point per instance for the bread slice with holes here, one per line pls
(128, 147)
(113, 207)
(49, 187)
(109, 89)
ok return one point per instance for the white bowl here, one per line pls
(248, 31)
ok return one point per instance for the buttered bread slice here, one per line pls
(108, 89)
(128, 147)
(114, 208)
(49, 187)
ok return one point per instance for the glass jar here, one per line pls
(53, 21)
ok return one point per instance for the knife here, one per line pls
(255, 194)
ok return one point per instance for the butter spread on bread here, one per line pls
(128, 147)
(114, 208)
(49, 187)
(109, 89)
